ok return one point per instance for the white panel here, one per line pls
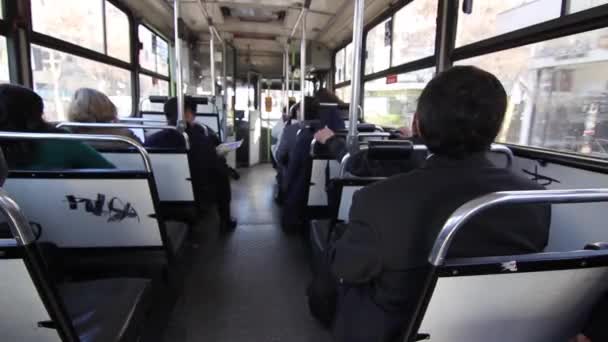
(572, 225)
(45, 201)
(346, 201)
(255, 134)
(171, 172)
(523, 307)
(209, 121)
(317, 196)
(21, 306)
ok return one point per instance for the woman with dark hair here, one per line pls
(21, 110)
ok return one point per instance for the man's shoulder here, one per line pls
(396, 185)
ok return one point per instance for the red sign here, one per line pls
(390, 79)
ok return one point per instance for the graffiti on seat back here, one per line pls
(115, 208)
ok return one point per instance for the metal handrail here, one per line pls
(343, 164)
(142, 120)
(115, 125)
(18, 223)
(81, 137)
(473, 208)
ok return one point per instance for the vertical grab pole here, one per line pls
(303, 66)
(286, 77)
(181, 125)
(356, 75)
(212, 61)
(225, 89)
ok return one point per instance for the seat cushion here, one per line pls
(107, 310)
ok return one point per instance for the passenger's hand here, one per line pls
(323, 135)
(581, 338)
(405, 132)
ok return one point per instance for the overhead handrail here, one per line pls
(467, 211)
(81, 137)
(115, 125)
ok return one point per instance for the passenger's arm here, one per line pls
(356, 254)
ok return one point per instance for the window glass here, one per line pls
(117, 24)
(348, 68)
(76, 21)
(152, 86)
(492, 18)
(344, 94)
(394, 105)
(378, 46)
(414, 31)
(558, 92)
(4, 74)
(57, 75)
(154, 55)
(580, 5)
(339, 66)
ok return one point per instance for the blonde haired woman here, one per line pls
(92, 106)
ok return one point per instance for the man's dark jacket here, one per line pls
(382, 257)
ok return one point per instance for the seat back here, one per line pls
(533, 297)
(171, 171)
(29, 301)
(105, 209)
(542, 297)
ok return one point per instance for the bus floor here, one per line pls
(248, 285)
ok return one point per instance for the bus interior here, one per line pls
(127, 254)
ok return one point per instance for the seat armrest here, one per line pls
(597, 246)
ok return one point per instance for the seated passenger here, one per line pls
(297, 175)
(381, 259)
(21, 110)
(210, 174)
(277, 129)
(595, 329)
(92, 106)
(361, 166)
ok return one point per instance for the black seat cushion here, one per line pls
(107, 310)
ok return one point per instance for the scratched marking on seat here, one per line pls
(116, 209)
(540, 179)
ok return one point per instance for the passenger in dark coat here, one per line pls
(210, 174)
(297, 176)
(381, 259)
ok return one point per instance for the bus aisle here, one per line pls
(248, 285)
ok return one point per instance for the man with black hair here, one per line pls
(210, 174)
(381, 259)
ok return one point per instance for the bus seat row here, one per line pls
(36, 307)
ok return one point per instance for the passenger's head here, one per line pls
(171, 110)
(460, 112)
(21, 109)
(89, 105)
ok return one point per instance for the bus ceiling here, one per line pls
(259, 30)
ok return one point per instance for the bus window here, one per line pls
(4, 74)
(378, 48)
(414, 29)
(394, 105)
(149, 86)
(76, 21)
(348, 68)
(493, 18)
(117, 23)
(57, 75)
(558, 92)
(154, 55)
(339, 64)
(344, 93)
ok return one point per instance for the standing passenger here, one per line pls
(381, 259)
(21, 110)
